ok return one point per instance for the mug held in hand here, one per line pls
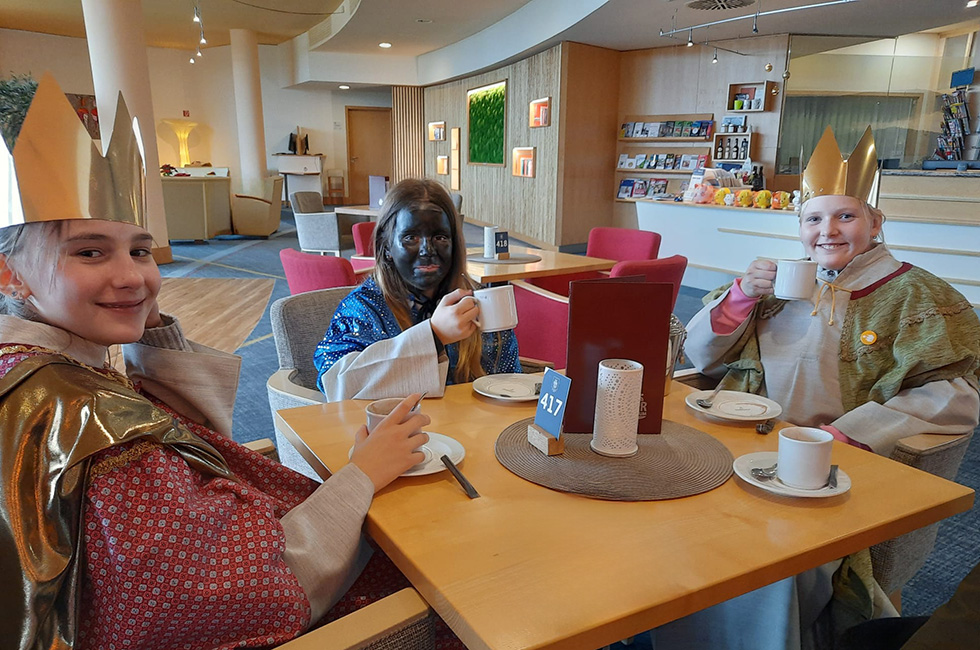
(795, 279)
(498, 309)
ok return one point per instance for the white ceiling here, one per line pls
(619, 24)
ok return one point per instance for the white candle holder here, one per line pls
(617, 407)
(489, 241)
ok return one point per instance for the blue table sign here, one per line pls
(545, 433)
(501, 245)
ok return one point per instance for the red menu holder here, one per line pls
(617, 318)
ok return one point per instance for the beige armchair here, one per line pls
(258, 215)
(895, 561)
(402, 621)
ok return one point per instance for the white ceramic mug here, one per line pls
(498, 309)
(379, 409)
(803, 460)
(795, 279)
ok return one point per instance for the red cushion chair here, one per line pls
(667, 269)
(309, 272)
(620, 244)
(363, 238)
(542, 315)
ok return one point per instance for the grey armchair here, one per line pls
(895, 561)
(298, 324)
(306, 202)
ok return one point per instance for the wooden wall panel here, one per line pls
(407, 133)
(586, 151)
(524, 206)
(683, 79)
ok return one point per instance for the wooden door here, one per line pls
(368, 148)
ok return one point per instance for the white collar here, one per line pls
(18, 330)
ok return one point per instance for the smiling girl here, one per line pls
(408, 328)
(128, 516)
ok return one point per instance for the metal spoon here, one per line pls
(706, 403)
(763, 473)
(832, 480)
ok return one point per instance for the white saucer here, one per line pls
(743, 467)
(735, 406)
(437, 447)
(509, 387)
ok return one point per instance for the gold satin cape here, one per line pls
(55, 415)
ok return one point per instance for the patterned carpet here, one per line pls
(957, 549)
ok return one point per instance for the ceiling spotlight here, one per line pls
(344, 87)
(192, 60)
(714, 59)
(197, 15)
(198, 52)
(971, 4)
(690, 39)
(204, 41)
(385, 45)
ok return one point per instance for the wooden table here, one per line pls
(527, 567)
(357, 211)
(551, 263)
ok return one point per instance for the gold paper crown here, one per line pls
(56, 171)
(828, 173)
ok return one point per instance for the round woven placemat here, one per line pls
(678, 462)
(515, 258)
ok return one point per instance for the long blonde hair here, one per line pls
(417, 195)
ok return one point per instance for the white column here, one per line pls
(248, 108)
(117, 50)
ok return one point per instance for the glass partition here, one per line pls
(895, 85)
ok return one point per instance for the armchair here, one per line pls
(895, 561)
(306, 272)
(321, 232)
(298, 324)
(620, 244)
(542, 326)
(401, 621)
(258, 215)
(306, 202)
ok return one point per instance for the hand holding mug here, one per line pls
(393, 445)
(455, 317)
(758, 279)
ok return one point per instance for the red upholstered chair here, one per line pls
(668, 270)
(542, 315)
(309, 272)
(363, 238)
(620, 244)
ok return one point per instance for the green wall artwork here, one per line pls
(487, 108)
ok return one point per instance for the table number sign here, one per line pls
(501, 249)
(545, 433)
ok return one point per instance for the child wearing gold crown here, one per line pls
(882, 350)
(128, 517)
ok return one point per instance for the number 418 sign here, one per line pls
(545, 433)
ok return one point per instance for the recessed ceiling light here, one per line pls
(384, 45)
(344, 87)
(424, 21)
(971, 4)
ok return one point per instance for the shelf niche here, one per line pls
(759, 90)
(732, 145)
(442, 165)
(539, 113)
(437, 131)
(522, 162)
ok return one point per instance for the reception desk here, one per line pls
(197, 207)
(939, 232)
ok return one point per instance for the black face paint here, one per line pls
(422, 248)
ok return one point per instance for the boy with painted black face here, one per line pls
(409, 325)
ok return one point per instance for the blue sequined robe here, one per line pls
(366, 355)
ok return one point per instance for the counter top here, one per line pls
(941, 173)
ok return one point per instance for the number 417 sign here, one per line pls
(545, 433)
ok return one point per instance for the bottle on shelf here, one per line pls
(720, 154)
(728, 149)
(745, 148)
